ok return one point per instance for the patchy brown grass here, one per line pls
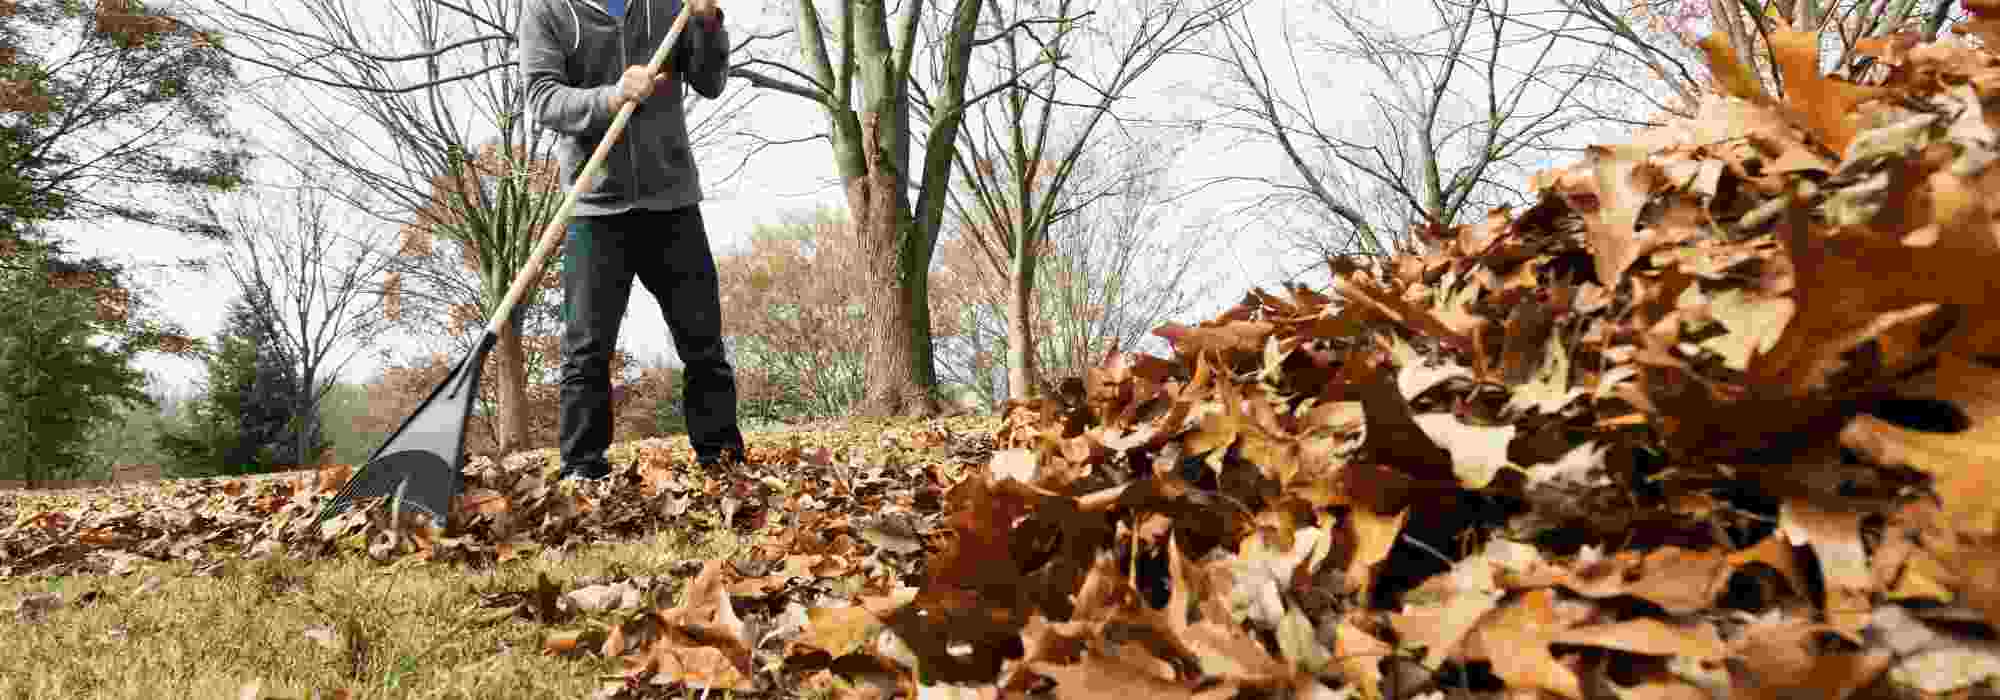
(297, 627)
(226, 621)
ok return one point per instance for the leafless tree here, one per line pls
(1069, 77)
(1112, 268)
(1122, 269)
(1463, 108)
(893, 122)
(309, 271)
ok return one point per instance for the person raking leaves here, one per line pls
(584, 59)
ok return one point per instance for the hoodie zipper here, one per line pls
(630, 187)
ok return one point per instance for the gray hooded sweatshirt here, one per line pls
(574, 52)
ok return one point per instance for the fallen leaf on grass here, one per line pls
(1360, 655)
(1624, 180)
(839, 631)
(1959, 460)
(1098, 677)
(33, 607)
(620, 595)
(572, 641)
(700, 667)
(1453, 606)
(1374, 535)
(1781, 660)
(1677, 579)
(1828, 105)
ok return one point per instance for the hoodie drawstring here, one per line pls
(576, 40)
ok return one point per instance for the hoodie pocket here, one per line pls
(665, 172)
(656, 152)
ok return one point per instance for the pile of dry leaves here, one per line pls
(1717, 416)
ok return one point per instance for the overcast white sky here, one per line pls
(792, 177)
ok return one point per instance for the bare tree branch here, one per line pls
(1026, 25)
(1476, 93)
(313, 285)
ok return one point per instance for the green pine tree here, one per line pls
(65, 363)
(243, 418)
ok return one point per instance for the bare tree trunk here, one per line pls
(1020, 327)
(895, 387)
(513, 390)
(304, 412)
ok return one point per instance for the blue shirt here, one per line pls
(617, 7)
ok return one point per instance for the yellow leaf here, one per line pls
(1218, 430)
(1734, 78)
(1960, 461)
(839, 631)
(1826, 105)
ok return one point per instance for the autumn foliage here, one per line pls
(452, 197)
(125, 22)
(129, 24)
(451, 192)
(793, 302)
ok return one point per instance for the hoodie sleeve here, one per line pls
(703, 54)
(557, 104)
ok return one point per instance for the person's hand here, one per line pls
(636, 85)
(702, 10)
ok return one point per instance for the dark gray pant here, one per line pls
(669, 253)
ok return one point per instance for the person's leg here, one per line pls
(597, 284)
(681, 274)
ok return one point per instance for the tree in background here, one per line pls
(69, 332)
(342, 412)
(1471, 103)
(91, 96)
(208, 439)
(436, 293)
(130, 436)
(493, 207)
(796, 287)
(243, 417)
(868, 80)
(308, 277)
(107, 111)
(1015, 178)
(1111, 270)
(1121, 269)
